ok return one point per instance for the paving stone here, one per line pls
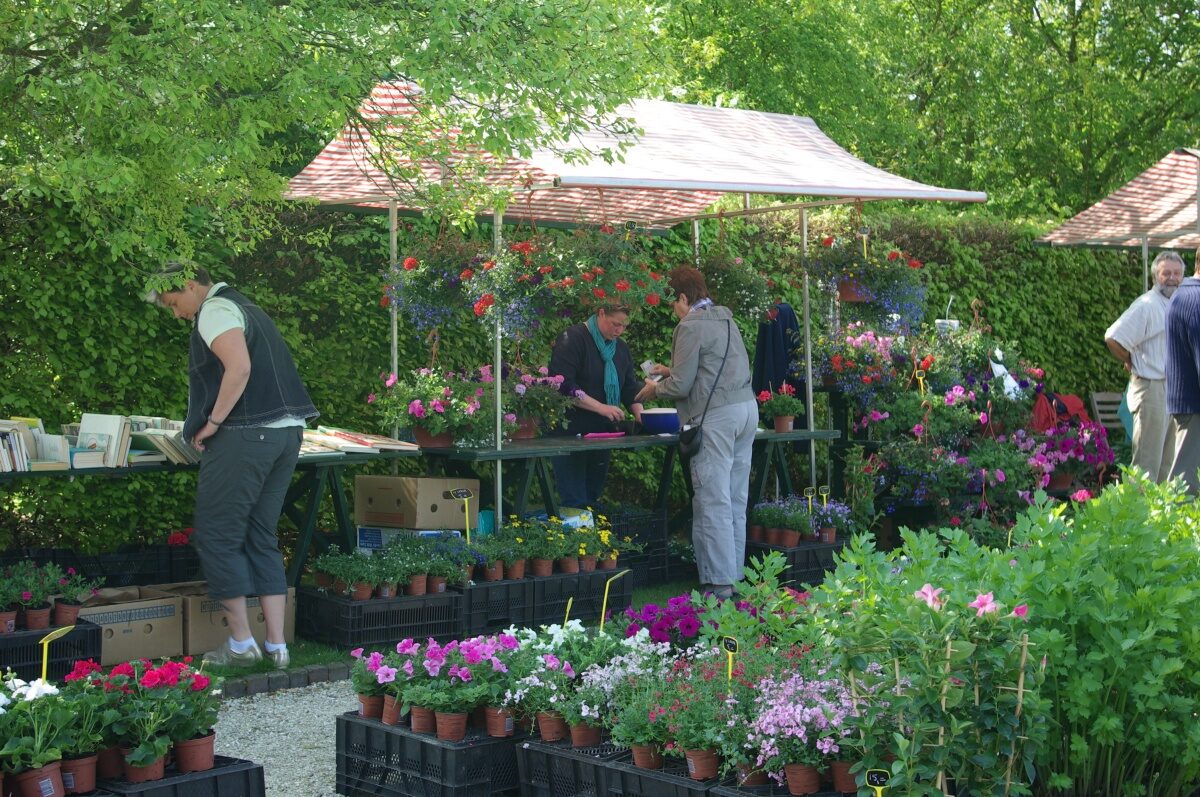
(317, 673)
(257, 683)
(278, 680)
(339, 671)
(234, 687)
(298, 678)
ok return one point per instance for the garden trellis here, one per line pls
(680, 161)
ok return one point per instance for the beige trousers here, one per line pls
(1153, 431)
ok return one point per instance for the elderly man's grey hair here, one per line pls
(1165, 257)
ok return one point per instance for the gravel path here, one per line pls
(291, 733)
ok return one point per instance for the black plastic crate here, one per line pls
(183, 562)
(555, 769)
(648, 566)
(550, 596)
(127, 566)
(670, 781)
(344, 623)
(494, 605)
(772, 789)
(392, 761)
(229, 777)
(39, 556)
(807, 563)
(21, 652)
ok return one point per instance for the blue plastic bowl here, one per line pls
(660, 420)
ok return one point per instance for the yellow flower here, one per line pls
(582, 549)
(520, 540)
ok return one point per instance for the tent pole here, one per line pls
(808, 371)
(394, 257)
(498, 373)
(696, 242)
(1146, 262)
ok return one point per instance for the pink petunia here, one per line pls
(416, 409)
(930, 596)
(391, 380)
(551, 661)
(1021, 611)
(371, 398)
(385, 674)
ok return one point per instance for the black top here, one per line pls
(576, 358)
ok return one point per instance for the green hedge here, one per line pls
(76, 335)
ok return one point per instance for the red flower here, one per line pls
(641, 283)
(787, 390)
(152, 679)
(866, 380)
(587, 276)
(607, 228)
(410, 263)
(488, 265)
(177, 538)
(653, 299)
(622, 286)
(384, 301)
(599, 293)
(827, 241)
(598, 270)
(955, 521)
(927, 363)
(200, 682)
(914, 263)
(124, 668)
(893, 255)
(466, 274)
(545, 269)
(568, 281)
(764, 396)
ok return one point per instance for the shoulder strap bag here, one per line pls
(690, 440)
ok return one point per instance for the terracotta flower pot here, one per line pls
(829, 534)
(437, 584)
(774, 534)
(647, 756)
(370, 706)
(426, 440)
(802, 779)
(451, 726)
(701, 764)
(423, 720)
(110, 763)
(37, 619)
(542, 568)
(468, 573)
(361, 591)
(149, 772)
(1061, 480)
(585, 735)
(8, 621)
(783, 423)
(606, 563)
(843, 781)
(41, 782)
(417, 584)
(587, 564)
(391, 710)
(514, 570)
(195, 755)
(340, 586)
(551, 726)
(747, 775)
(527, 429)
(568, 564)
(755, 533)
(851, 291)
(66, 613)
(494, 572)
(78, 774)
(789, 538)
(387, 590)
(499, 721)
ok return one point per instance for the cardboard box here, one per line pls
(410, 502)
(135, 624)
(204, 625)
(374, 538)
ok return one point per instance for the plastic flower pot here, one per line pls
(802, 779)
(423, 720)
(551, 726)
(647, 756)
(195, 755)
(783, 423)
(417, 584)
(701, 764)
(585, 735)
(370, 706)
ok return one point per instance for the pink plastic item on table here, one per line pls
(599, 435)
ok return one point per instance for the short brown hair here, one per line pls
(690, 282)
(172, 273)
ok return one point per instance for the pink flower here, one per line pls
(416, 408)
(1021, 611)
(930, 595)
(1000, 477)
(385, 674)
(437, 406)
(509, 642)
(568, 670)
(983, 604)
(406, 647)
(1081, 496)
(510, 417)
(370, 398)
(26, 595)
(465, 675)
(408, 668)
(391, 380)
(543, 370)
(374, 661)
(918, 430)
(983, 418)
(551, 661)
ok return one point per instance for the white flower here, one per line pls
(38, 688)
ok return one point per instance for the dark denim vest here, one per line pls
(274, 390)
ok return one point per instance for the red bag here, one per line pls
(1044, 416)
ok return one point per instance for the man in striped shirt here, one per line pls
(1139, 341)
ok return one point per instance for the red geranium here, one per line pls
(410, 263)
(622, 286)
(466, 274)
(653, 299)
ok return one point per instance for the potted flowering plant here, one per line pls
(736, 284)
(494, 678)
(607, 267)
(830, 517)
(434, 405)
(197, 698)
(543, 692)
(798, 524)
(1072, 450)
(452, 691)
(93, 711)
(799, 722)
(514, 284)
(536, 400)
(782, 405)
(544, 542)
(641, 722)
(36, 722)
(697, 714)
(33, 588)
(426, 286)
(860, 363)
(367, 685)
(73, 589)
(677, 623)
(147, 711)
(9, 595)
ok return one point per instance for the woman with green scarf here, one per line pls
(597, 370)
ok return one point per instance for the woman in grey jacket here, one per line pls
(704, 337)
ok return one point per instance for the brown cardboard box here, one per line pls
(135, 624)
(410, 502)
(204, 625)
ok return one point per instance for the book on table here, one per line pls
(334, 443)
(16, 446)
(376, 442)
(117, 427)
(51, 452)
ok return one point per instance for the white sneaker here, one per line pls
(228, 657)
(279, 658)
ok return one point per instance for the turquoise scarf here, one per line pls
(607, 348)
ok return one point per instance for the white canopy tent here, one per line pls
(684, 158)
